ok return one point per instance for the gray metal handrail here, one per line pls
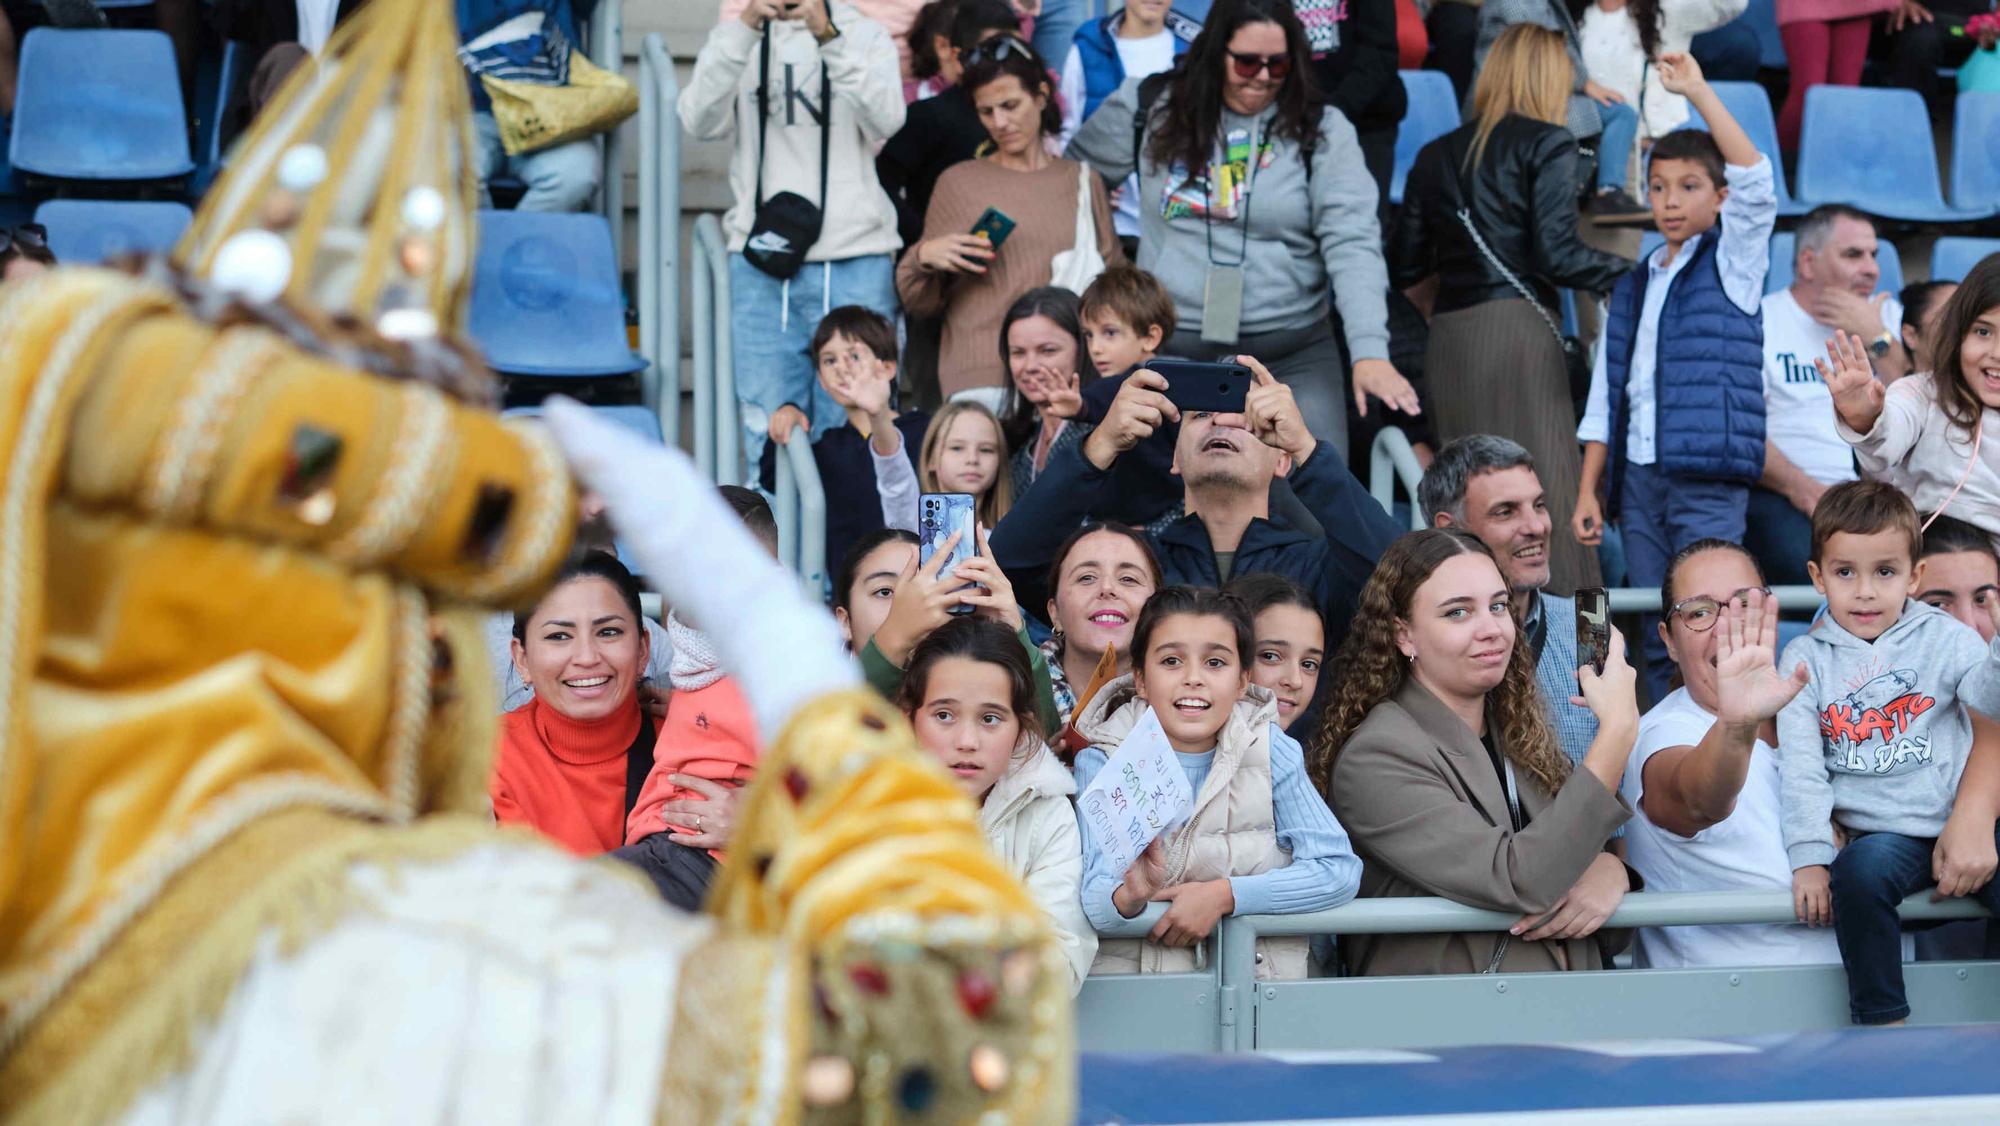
(1645, 600)
(714, 351)
(801, 511)
(660, 234)
(607, 49)
(1392, 462)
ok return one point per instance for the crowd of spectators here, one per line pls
(1010, 213)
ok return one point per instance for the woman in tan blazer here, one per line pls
(1437, 758)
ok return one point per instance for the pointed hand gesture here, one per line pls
(1272, 414)
(1748, 689)
(1857, 394)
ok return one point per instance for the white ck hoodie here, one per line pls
(1029, 822)
(720, 102)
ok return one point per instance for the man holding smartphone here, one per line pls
(1488, 486)
(806, 90)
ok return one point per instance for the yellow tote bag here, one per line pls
(535, 116)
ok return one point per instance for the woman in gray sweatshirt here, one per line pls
(1253, 195)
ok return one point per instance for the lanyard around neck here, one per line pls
(1247, 193)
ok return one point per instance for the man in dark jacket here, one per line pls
(1227, 462)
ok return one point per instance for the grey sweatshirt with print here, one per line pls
(1879, 737)
(1303, 228)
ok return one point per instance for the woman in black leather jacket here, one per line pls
(1495, 362)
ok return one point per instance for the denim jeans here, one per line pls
(1729, 53)
(771, 326)
(1780, 536)
(1869, 877)
(559, 178)
(1660, 513)
(1614, 145)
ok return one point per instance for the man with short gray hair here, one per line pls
(1487, 485)
(1834, 276)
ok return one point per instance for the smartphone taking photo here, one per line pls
(1593, 627)
(938, 516)
(1209, 388)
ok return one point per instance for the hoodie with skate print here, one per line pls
(1880, 735)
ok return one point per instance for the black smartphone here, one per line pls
(993, 226)
(1216, 388)
(1593, 627)
(938, 516)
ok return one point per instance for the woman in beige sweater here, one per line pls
(960, 276)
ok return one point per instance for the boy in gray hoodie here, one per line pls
(1877, 739)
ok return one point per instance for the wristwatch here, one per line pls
(1881, 344)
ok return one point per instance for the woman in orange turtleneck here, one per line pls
(572, 759)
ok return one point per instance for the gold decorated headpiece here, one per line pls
(353, 194)
(256, 511)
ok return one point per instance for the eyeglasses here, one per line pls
(1247, 66)
(997, 48)
(27, 236)
(1701, 612)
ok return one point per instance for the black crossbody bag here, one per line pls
(786, 226)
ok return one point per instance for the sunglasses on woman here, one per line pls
(27, 236)
(1247, 66)
(997, 48)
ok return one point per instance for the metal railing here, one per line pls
(607, 49)
(1234, 1011)
(660, 234)
(714, 351)
(801, 511)
(1392, 462)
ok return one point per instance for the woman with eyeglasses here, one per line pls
(1703, 779)
(1254, 198)
(971, 263)
(24, 251)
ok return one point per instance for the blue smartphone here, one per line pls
(938, 516)
(994, 226)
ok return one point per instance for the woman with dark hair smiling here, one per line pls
(1254, 197)
(970, 279)
(572, 759)
(1041, 342)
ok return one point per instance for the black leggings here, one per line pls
(681, 874)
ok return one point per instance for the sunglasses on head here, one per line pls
(1247, 66)
(995, 49)
(27, 236)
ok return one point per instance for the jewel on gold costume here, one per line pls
(253, 509)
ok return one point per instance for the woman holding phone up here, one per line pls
(1436, 754)
(1022, 200)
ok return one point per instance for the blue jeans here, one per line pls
(1055, 30)
(1658, 514)
(559, 178)
(1729, 53)
(1869, 877)
(771, 326)
(1614, 145)
(1780, 536)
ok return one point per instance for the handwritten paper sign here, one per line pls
(1140, 793)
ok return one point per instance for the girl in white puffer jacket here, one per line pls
(970, 693)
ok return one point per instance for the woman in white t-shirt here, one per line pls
(1703, 779)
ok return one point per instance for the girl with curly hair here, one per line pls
(1437, 757)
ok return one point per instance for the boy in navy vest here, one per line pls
(1676, 407)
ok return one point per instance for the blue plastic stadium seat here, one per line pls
(1751, 107)
(1433, 112)
(217, 78)
(1975, 152)
(1953, 258)
(99, 105)
(93, 230)
(1871, 149)
(546, 298)
(1783, 247)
